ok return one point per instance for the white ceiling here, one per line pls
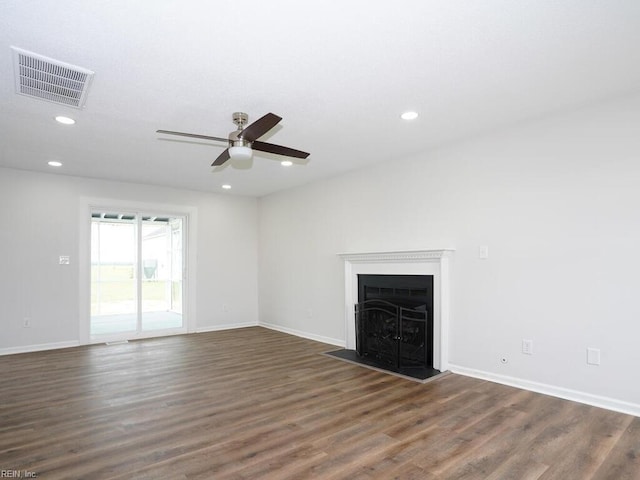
(339, 73)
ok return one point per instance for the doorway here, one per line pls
(137, 275)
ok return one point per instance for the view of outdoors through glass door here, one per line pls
(136, 274)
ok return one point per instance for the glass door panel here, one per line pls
(161, 289)
(113, 276)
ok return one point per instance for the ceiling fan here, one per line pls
(244, 140)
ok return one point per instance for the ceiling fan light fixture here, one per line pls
(286, 163)
(240, 153)
(226, 186)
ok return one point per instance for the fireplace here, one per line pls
(431, 263)
(394, 322)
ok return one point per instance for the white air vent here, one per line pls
(51, 80)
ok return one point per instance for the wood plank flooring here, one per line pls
(257, 404)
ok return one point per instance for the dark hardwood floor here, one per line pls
(253, 403)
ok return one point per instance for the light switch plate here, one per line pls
(64, 260)
(593, 356)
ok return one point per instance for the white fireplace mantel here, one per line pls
(400, 256)
(434, 262)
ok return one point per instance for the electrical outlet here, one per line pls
(527, 347)
(483, 252)
(26, 322)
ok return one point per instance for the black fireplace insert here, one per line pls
(394, 321)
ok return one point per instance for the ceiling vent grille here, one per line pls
(51, 80)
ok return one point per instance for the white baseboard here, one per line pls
(310, 336)
(38, 348)
(565, 393)
(227, 326)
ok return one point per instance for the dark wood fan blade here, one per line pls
(193, 135)
(279, 150)
(259, 127)
(223, 157)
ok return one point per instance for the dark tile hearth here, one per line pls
(418, 373)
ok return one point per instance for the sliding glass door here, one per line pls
(161, 286)
(137, 270)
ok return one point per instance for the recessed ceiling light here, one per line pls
(65, 120)
(226, 186)
(409, 115)
(54, 163)
(286, 163)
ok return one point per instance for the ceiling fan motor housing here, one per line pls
(234, 141)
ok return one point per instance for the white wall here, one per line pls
(40, 213)
(557, 202)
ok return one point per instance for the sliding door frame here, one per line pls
(188, 215)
